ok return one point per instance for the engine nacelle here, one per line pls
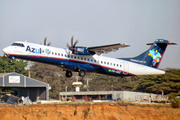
(81, 51)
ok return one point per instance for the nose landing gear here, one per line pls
(10, 61)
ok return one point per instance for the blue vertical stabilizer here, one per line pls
(153, 56)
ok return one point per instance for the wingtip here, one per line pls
(125, 44)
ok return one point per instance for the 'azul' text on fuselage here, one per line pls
(33, 50)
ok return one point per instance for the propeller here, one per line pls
(72, 45)
(45, 42)
(49, 44)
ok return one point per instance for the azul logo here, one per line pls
(48, 51)
(80, 50)
(155, 55)
(33, 50)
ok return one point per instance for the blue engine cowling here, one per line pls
(81, 51)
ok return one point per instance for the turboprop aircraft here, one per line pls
(89, 59)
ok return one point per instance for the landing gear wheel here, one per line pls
(82, 73)
(68, 74)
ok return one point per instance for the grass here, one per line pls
(111, 103)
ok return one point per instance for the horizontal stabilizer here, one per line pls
(162, 43)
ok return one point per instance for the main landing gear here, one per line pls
(68, 74)
(82, 73)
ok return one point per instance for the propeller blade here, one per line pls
(68, 45)
(72, 40)
(75, 43)
(49, 44)
(72, 47)
(45, 40)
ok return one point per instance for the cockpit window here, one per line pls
(18, 44)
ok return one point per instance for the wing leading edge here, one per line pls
(107, 48)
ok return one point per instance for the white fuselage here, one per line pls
(64, 57)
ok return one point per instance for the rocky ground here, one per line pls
(105, 111)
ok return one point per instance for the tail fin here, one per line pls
(153, 56)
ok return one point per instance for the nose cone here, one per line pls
(6, 50)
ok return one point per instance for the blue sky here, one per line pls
(94, 23)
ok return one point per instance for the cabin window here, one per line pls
(117, 65)
(120, 65)
(81, 58)
(104, 62)
(42, 51)
(94, 60)
(61, 54)
(58, 54)
(18, 44)
(74, 57)
(71, 56)
(110, 63)
(84, 58)
(88, 59)
(101, 62)
(107, 63)
(68, 56)
(55, 53)
(114, 64)
(52, 53)
(78, 57)
(65, 55)
(91, 60)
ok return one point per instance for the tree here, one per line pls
(104, 82)
(52, 75)
(16, 66)
(55, 76)
(169, 82)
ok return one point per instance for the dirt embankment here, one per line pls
(87, 112)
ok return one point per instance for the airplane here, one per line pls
(89, 59)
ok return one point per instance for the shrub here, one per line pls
(174, 100)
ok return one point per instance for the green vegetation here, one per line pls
(55, 76)
(16, 66)
(174, 100)
(169, 82)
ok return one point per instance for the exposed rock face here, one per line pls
(87, 112)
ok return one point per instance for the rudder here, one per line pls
(153, 56)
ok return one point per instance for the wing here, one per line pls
(106, 48)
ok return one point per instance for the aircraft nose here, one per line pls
(5, 50)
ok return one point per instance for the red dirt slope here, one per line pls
(87, 112)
